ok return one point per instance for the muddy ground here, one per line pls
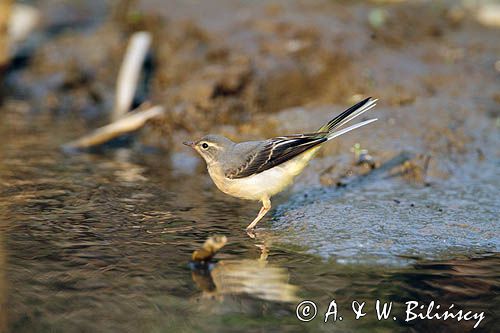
(268, 68)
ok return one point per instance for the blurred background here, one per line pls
(101, 204)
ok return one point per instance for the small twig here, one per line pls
(126, 85)
(129, 123)
(211, 246)
(129, 74)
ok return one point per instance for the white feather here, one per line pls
(350, 128)
(369, 105)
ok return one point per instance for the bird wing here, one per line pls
(261, 156)
(275, 151)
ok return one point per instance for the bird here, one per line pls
(257, 170)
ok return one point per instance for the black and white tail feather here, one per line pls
(278, 150)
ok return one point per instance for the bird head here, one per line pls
(210, 147)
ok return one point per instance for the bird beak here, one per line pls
(189, 143)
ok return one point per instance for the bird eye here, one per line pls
(204, 145)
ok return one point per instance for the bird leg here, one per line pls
(266, 206)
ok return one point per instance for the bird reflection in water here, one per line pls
(255, 278)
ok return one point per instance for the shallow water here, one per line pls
(102, 242)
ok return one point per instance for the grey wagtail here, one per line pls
(257, 170)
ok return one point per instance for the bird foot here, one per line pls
(251, 232)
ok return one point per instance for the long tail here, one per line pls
(354, 111)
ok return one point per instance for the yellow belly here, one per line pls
(265, 184)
